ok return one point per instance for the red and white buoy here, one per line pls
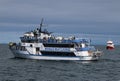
(110, 45)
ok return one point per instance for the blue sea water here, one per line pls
(107, 68)
(97, 39)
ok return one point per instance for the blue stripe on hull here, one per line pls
(54, 53)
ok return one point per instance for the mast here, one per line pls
(41, 24)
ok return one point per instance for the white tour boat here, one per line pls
(42, 45)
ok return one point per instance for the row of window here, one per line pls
(22, 48)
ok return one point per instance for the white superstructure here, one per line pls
(42, 45)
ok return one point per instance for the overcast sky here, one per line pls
(71, 16)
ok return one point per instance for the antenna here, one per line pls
(41, 24)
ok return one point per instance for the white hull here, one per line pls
(40, 57)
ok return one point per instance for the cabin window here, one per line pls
(17, 48)
(31, 45)
(37, 50)
(22, 48)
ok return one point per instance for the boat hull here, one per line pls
(110, 47)
(41, 57)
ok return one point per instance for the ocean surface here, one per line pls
(107, 68)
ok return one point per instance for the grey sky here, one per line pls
(79, 16)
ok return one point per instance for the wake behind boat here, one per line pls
(42, 45)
